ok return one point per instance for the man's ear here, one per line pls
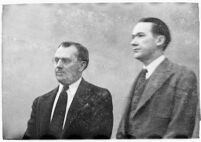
(83, 65)
(160, 40)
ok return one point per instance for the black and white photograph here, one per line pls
(115, 70)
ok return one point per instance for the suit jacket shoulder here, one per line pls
(177, 68)
(96, 95)
(183, 77)
(99, 91)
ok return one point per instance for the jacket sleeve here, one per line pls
(31, 128)
(103, 118)
(184, 107)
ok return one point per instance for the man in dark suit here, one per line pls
(75, 109)
(163, 99)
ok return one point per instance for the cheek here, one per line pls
(72, 69)
(146, 42)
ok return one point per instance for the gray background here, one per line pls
(32, 32)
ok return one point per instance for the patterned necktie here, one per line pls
(56, 125)
(142, 77)
(139, 88)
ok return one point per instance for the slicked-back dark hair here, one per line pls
(159, 28)
(83, 54)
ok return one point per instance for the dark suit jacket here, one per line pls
(90, 114)
(167, 107)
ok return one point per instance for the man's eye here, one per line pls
(65, 61)
(140, 35)
(56, 60)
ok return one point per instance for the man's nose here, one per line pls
(133, 42)
(59, 64)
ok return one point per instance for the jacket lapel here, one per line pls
(159, 76)
(46, 104)
(79, 101)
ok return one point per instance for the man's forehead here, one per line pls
(144, 27)
(66, 51)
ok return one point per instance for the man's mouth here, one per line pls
(136, 50)
(59, 72)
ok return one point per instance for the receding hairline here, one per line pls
(66, 47)
(159, 27)
(151, 26)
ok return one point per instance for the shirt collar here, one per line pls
(153, 65)
(73, 87)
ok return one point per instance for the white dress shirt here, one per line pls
(153, 65)
(71, 93)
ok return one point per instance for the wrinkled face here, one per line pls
(67, 68)
(143, 41)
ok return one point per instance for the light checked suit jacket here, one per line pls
(167, 107)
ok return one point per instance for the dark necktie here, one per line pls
(137, 93)
(56, 125)
(142, 78)
(139, 88)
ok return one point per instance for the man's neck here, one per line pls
(73, 85)
(146, 62)
(153, 65)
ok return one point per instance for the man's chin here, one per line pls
(137, 56)
(62, 82)
(60, 79)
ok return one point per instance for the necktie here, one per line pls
(56, 125)
(137, 93)
(139, 88)
(142, 78)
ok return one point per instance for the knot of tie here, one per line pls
(65, 87)
(144, 71)
(142, 76)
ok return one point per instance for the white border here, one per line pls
(90, 1)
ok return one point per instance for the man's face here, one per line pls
(67, 68)
(143, 41)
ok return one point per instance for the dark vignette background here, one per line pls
(32, 32)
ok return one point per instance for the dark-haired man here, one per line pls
(75, 109)
(163, 99)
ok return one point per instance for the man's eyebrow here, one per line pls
(66, 58)
(134, 35)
